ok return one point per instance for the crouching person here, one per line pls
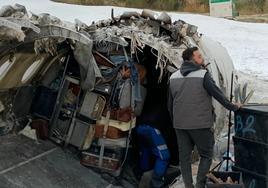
(190, 105)
(152, 145)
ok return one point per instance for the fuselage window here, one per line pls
(4, 68)
(31, 70)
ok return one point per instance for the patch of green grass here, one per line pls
(252, 6)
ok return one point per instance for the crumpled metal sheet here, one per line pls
(11, 22)
(8, 23)
(171, 52)
(9, 34)
(24, 23)
(18, 11)
(38, 27)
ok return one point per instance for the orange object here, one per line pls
(112, 132)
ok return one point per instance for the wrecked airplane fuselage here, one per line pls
(66, 78)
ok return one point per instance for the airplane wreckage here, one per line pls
(87, 86)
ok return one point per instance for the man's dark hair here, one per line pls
(188, 53)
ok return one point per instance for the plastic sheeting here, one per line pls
(221, 68)
(88, 67)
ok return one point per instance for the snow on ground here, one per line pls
(247, 43)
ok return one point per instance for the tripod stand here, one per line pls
(227, 158)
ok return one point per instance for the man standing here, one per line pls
(190, 105)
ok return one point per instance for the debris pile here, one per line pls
(86, 84)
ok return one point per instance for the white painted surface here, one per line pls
(224, 9)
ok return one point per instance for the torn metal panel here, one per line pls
(24, 23)
(15, 11)
(10, 31)
(47, 32)
(10, 24)
(57, 31)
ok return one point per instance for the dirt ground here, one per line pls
(258, 18)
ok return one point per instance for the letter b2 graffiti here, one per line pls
(246, 126)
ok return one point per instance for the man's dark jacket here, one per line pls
(190, 97)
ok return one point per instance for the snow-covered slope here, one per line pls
(247, 43)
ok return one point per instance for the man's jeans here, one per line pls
(203, 139)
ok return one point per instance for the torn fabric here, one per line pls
(88, 67)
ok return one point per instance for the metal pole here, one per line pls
(229, 125)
